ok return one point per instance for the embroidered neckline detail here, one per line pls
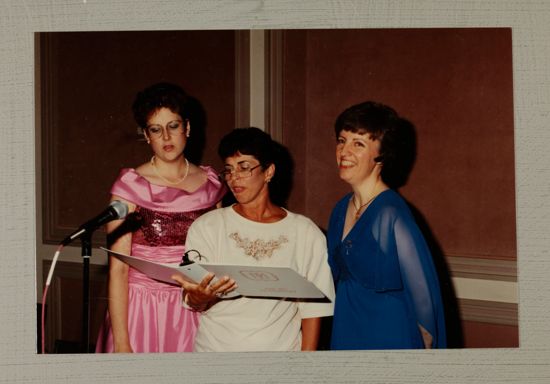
(258, 248)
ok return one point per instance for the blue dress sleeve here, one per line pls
(420, 278)
(417, 269)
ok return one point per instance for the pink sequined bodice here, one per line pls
(163, 214)
(163, 228)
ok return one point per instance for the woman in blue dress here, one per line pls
(387, 290)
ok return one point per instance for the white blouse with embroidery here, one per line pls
(253, 324)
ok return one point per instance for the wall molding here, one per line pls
(242, 78)
(52, 230)
(62, 316)
(274, 83)
(482, 268)
(488, 312)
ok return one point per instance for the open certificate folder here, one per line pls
(254, 281)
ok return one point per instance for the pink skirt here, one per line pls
(157, 322)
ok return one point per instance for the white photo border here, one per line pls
(19, 362)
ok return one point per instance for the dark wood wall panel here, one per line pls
(487, 335)
(88, 83)
(455, 85)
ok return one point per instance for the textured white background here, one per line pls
(19, 362)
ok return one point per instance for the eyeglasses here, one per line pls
(242, 172)
(172, 128)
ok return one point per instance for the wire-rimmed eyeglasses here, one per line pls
(240, 172)
(173, 128)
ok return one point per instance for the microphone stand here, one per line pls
(86, 254)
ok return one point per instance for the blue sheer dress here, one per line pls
(386, 283)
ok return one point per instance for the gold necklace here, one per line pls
(165, 179)
(358, 210)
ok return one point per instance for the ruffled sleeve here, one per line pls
(135, 188)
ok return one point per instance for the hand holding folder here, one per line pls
(252, 281)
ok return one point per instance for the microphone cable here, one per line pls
(45, 295)
(116, 210)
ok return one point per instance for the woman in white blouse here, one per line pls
(255, 231)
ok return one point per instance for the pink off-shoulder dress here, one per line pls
(157, 322)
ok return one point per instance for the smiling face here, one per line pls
(170, 143)
(248, 181)
(355, 156)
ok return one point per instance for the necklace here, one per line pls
(165, 179)
(358, 209)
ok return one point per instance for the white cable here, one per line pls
(45, 294)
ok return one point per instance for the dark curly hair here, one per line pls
(396, 135)
(161, 95)
(173, 97)
(255, 142)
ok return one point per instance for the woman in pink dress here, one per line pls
(164, 195)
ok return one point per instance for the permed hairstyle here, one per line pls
(396, 135)
(171, 96)
(161, 95)
(255, 142)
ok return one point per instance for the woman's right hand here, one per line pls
(201, 296)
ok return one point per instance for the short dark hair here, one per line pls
(255, 142)
(161, 95)
(248, 141)
(396, 135)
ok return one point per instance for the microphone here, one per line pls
(116, 210)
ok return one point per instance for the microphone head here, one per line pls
(120, 208)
